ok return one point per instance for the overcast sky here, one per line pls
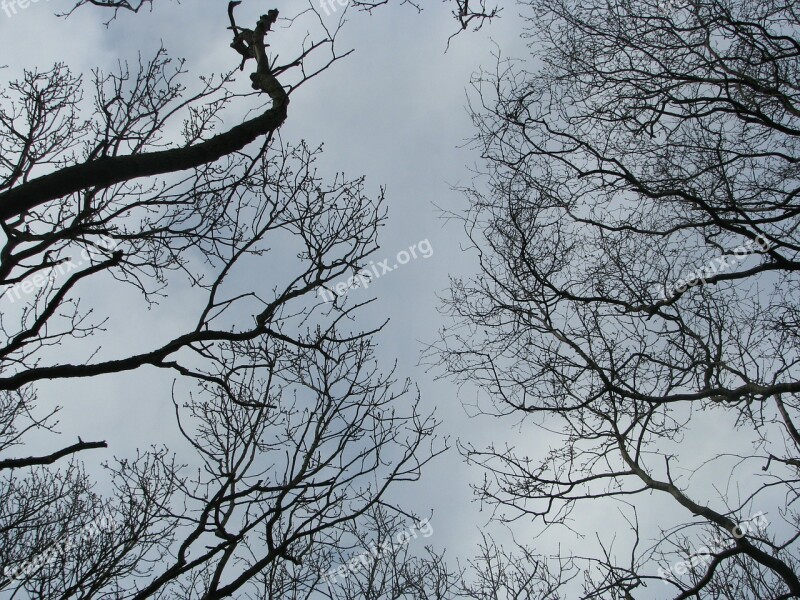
(393, 111)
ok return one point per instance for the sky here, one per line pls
(395, 111)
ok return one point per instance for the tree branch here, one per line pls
(31, 461)
(108, 171)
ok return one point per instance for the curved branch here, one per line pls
(31, 461)
(108, 171)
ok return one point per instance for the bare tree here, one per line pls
(638, 294)
(297, 435)
(387, 555)
(476, 15)
(504, 575)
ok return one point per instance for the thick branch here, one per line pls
(108, 171)
(32, 461)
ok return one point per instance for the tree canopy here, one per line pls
(633, 216)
